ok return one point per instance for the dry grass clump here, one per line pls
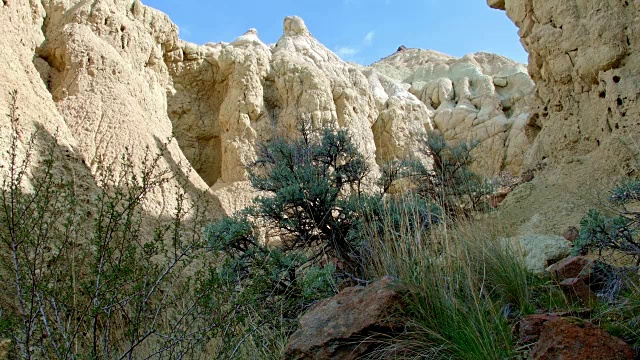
(465, 283)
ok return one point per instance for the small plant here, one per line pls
(618, 232)
(449, 181)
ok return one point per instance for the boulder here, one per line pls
(347, 325)
(573, 339)
(529, 328)
(577, 289)
(540, 251)
(571, 267)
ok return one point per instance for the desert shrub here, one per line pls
(313, 187)
(617, 230)
(312, 198)
(83, 279)
(449, 180)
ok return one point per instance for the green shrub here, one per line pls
(448, 180)
(313, 187)
(619, 231)
(82, 278)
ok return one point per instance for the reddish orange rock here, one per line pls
(345, 326)
(562, 339)
(571, 267)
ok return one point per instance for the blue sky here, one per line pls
(363, 31)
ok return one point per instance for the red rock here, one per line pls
(578, 289)
(337, 327)
(496, 199)
(561, 339)
(572, 233)
(528, 329)
(571, 267)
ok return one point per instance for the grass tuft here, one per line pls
(465, 284)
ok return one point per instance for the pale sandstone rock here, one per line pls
(479, 98)
(91, 72)
(584, 59)
(403, 120)
(239, 95)
(539, 250)
(20, 35)
(112, 74)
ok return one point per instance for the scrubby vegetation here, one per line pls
(81, 276)
(87, 276)
(619, 229)
(449, 181)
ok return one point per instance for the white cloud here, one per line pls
(368, 39)
(347, 52)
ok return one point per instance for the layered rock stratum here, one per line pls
(105, 76)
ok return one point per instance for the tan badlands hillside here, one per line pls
(111, 74)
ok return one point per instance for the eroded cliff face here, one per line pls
(110, 76)
(479, 98)
(91, 78)
(584, 59)
(583, 56)
(230, 97)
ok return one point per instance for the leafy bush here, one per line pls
(313, 187)
(617, 232)
(82, 277)
(449, 181)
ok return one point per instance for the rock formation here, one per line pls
(229, 98)
(584, 59)
(479, 98)
(349, 325)
(111, 75)
(92, 73)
